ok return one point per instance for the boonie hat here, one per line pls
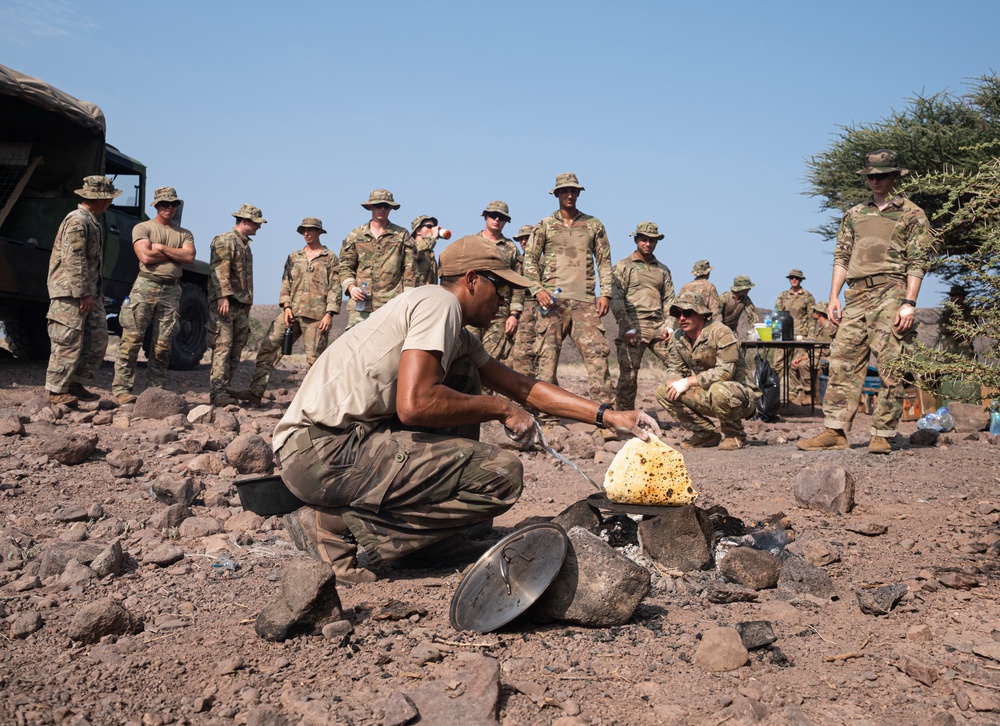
(98, 187)
(701, 267)
(380, 196)
(820, 307)
(419, 221)
(882, 161)
(165, 194)
(473, 252)
(689, 300)
(957, 290)
(647, 229)
(311, 223)
(525, 231)
(249, 211)
(567, 180)
(741, 282)
(796, 273)
(498, 207)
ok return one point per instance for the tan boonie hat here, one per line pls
(701, 267)
(882, 161)
(689, 300)
(820, 307)
(566, 181)
(311, 223)
(249, 211)
(741, 282)
(525, 231)
(647, 229)
(419, 221)
(165, 194)
(498, 207)
(796, 273)
(380, 196)
(473, 252)
(98, 187)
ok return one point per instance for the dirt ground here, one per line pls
(199, 661)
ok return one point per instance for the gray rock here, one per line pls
(161, 436)
(110, 561)
(164, 555)
(223, 420)
(800, 577)
(123, 464)
(339, 631)
(958, 580)
(244, 522)
(756, 634)
(25, 624)
(880, 600)
(597, 586)
(924, 437)
(169, 517)
(55, 555)
(195, 527)
(744, 710)
(580, 514)
(467, 694)
(157, 403)
(76, 573)
(969, 417)
(206, 464)
(986, 649)
(174, 489)
(200, 414)
(723, 593)
(681, 538)
(398, 710)
(69, 449)
(751, 568)
(825, 489)
(11, 423)
(306, 601)
(70, 514)
(250, 454)
(579, 446)
(104, 617)
(868, 529)
(424, 653)
(819, 552)
(721, 649)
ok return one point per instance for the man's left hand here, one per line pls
(325, 323)
(676, 388)
(904, 318)
(637, 423)
(603, 305)
(510, 327)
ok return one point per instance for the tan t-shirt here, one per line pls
(355, 378)
(173, 236)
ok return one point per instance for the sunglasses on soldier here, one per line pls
(502, 288)
(880, 177)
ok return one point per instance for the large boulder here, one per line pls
(70, 449)
(968, 417)
(157, 403)
(250, 454)
(104, 617)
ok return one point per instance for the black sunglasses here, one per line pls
(880, 177)
(502, 288)
(497, 215)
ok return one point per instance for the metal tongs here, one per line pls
(533, 438)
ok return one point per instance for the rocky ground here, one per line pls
(145, 542)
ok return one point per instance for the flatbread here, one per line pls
(649, 472)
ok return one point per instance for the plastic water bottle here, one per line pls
(126, 301)
(775, 326)
(944, 418)
(995, 419)
(360, 305)
(767, 319)
(930, 421)
(555, 301)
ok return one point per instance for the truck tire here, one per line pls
(189, 342)
(28, 336)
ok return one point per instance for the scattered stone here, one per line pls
(70, 514)
(425, 653)
(69, 449)
(800, 577)
(398, 710)
(10, 424)
(920, 672)
(123, 464)
(467, 694)
(207, 463)
(105, 617)
(756, 634)
(228, 666)
(250, 454)
(723, 593)
(306, 601)
(244, 522)
(25, 624)
(169, 517)
(819, 552)
(721, 649)
(55, 555)
(968, 417)
(957, 580)
(339, 630)
(579, 446)
(173, 489)
(110, 561)
(681, 538)
(920, 633)
(161, 436)
(76, 573)
(200, 414)
(924, 437)
(580, 514)
(157, 403)
(164, 555)
(868, 529)
(751, 568)
(987, 649)
(880, 600)
(982, 700)
(745, 710)
(198, 527)
(597, 586)
(827, 490)
(223, 420)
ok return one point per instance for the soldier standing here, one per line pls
(735, 301)
(162, 246)
(524, 356)
(562, 254)
(799, 304)
(802, 374)
(642, 291)
(77, 324)
(424, 232)
(498, 337)
(310, 297)
(230, 287)
(700, 284)
(882, 254)
(379, 256)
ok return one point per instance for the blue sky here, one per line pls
(698, 116)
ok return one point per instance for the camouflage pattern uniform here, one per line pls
(426, 263)
(800, 306)
(703, 287)
(733, 309)
(641, 297)
(523, 357)
(563, 256)
(311, 288)
(231, 276)
(78, 340)
(823, 331)
(387, 264)
(494, 338)
(879, 250)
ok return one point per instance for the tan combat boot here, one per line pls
(324, 537)
(64, 399)
(732, 443)
(127, 397)
(879, 445)
(702, 440)
(223, 399)
(82, 393)
(829, 439)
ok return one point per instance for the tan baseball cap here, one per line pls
(473, 252)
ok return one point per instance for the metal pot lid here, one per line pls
(508, 578)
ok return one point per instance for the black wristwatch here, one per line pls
(599, 419)
(516, 314)
(910, 302)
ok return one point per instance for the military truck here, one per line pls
(49, 141)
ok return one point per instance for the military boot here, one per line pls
(829, 439)
(82, 393)
(127, 397)
(223, 399)
(879, 445)
(62, 399)
(327, 538)
(732, 443)
(702, 440)
(246, 394)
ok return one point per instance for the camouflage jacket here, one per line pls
(800, 307)
(515, 260)
(733, 308)
(896, 241)
(75, 263)
(714, 356)
(387, 264)
(641, 293)
(563, 256)
(707, 290)
(231, 268)
(824, 331)
(426, 272)
(311, 287)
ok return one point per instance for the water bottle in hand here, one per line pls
(555, 301)
(360, 305)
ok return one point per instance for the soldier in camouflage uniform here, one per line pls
(366, 441)
(77, 324)
(425, 232)
(801, 373)
(882, 254)
(310, 297)
(563, 251)
(706, 376)
(230, 288)
(735, 302)
(162, 246)
(642, 292)
(700, 284)
(799, 303)
(498, 337)
(524, 357)
(378, 255)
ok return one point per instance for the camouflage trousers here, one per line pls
(728, 401)
(401, 490)
(150, 303)
(227, 337)
(270, 349)
(795, 384)
(578, 320)
(865, 328)
(78, 342)
(801, 376)
(523, 357)
(629, 360)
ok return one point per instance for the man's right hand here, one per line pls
(357, 293)
(833, 310)
(544, 299)
(518, 421)
(288, 316)
(87, 304)
(223, 306)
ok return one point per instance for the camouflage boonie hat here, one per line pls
(165, 194)
(820, 307)
(419, 221)
(741, 282)
(249, 211)
(701, 267)
(689, 300)
(311, 223)
(525, 231)
(498, 207)
(796, 273)
(566, 181)
(647, 229)
(98, 187)
(957, 291)
(882, 161)
(380, 196)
